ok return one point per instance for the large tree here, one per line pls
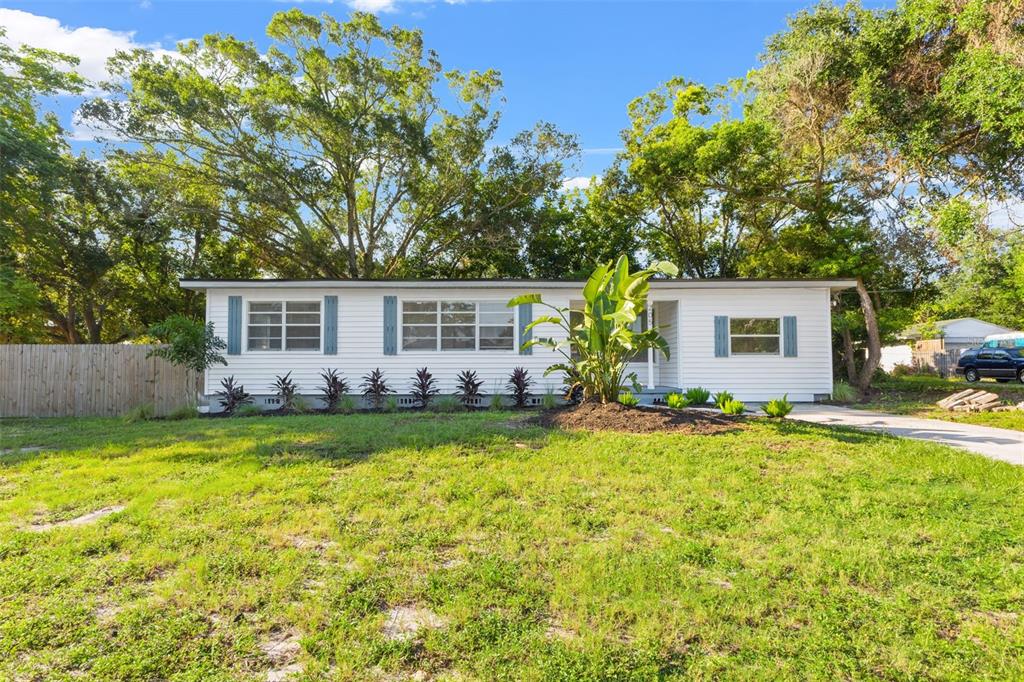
(344, 150)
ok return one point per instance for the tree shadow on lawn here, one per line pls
(350, 439)
(843, 434)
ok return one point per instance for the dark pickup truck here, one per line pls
(1001, 364)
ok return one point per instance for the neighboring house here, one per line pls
(758, 339)
(946, 339)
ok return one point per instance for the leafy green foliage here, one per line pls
(722, 397)
(334, 387)
(843, 392)
(188, 343)
(497, 402)
(232, 396)
(286, 389)
(412, 172)
(247, 410)
(347, 404)
(549, 400)
(186, 411)
(140, 413)
(424, 387)
(467, 387)
(598, 349)
(697, 395)
(732, 406)
(375, 388)
(628, 399)
(676, 401)
(519, 382)
(447, 404)
(778, 407)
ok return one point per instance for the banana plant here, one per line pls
(598, 349)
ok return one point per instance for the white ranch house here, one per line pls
(758, 339)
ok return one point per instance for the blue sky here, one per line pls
(576, 64)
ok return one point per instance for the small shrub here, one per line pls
(186, 411)
(628, 399)
(300, 405)
(188, 343)
(334, 387)
(375, 388)
(549, 401)
(915, 370)
(778, 408)
(722, 397)
(424, 387)
(697, 395)
(347, 404)
(519, 382)
(843, 392)
(732, 407)
(391, 404)
(232, 395)
(285, 389)
(468, 387)
(497, 402)
(141, 413)
(248, 410)
(676, 401)
(447, 403)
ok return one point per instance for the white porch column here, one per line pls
(650, 351)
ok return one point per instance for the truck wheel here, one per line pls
(1020, 376)
(971, 375)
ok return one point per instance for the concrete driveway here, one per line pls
(1004, 445)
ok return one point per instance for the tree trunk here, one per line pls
(849, 356)
(352, 218)
(874, 338)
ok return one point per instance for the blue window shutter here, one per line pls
(789, 336)
(330, 325)
(234, 325)
(525, 318)
(721, 336)
(390, 325)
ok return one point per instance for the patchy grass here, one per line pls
(917, 395)
(471, 546)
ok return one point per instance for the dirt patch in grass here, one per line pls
(405, 621)
(82, 520)
(617, 417)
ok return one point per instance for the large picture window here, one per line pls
(457, 325)
(291, 325)
(754, 335)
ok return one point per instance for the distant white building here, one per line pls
(940, 351)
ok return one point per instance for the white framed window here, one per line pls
(283, 325)
(457, 325)
(754, 335)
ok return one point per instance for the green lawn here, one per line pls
(917, 395)
(776, 551)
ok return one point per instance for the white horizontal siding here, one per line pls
(757, 377)
(361, 344)
(690, 335)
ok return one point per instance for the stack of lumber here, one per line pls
(972, 400)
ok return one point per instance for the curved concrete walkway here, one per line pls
(1004, 445)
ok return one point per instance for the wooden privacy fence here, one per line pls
(89, 380)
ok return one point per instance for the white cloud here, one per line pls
(93, 46)
(578, 182)
(373, 5)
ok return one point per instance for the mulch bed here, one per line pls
(594, 416)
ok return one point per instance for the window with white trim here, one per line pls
(457, 325)
(295, 325)
(754, 335)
